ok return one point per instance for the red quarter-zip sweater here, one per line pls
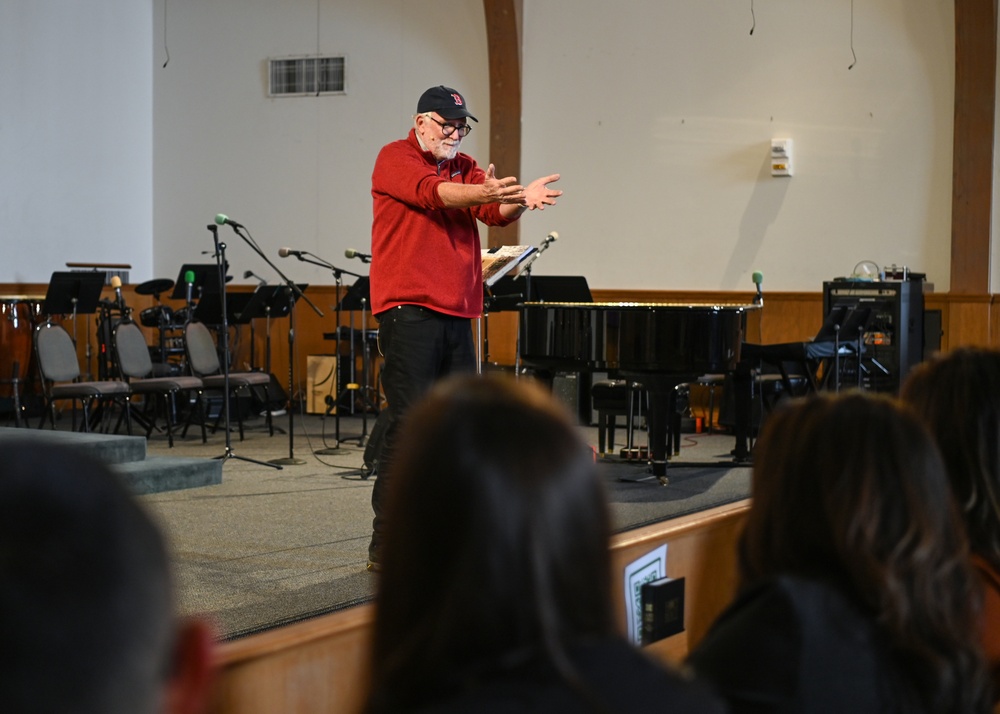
(422, 253)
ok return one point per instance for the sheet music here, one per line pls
(503, 259)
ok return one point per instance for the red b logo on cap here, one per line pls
(458, 99)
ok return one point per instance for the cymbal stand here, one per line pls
(220, 257)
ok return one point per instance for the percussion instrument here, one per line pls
(154, 287)
(19, 314)
(156, 316)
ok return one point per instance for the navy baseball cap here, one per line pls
(445, 101)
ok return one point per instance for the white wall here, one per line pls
(658, 114)
(76, 136)
(295, 171)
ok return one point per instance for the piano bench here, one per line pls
(612, 398)
(711, 381)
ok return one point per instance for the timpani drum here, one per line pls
(18, 316)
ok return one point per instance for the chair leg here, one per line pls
(601, 430)
(267, 408)
(168, 399)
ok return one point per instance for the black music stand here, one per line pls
(73, 293)
(269, 301)
(284, 298)
(209, 307)
(206, 280)
(559, 288)
(357, 297)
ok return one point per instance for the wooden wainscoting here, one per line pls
(966, 319)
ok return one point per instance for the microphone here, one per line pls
(758, 278)
(189, 279)
(116, 283)
(550, 239)
(285, 252)
(251, 274)
(223, 220)
(363, 257)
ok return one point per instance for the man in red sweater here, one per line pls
(426, 272)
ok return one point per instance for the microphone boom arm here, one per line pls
(288, 281)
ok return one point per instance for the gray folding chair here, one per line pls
(132, 356)
(60, 372)
(204, 362)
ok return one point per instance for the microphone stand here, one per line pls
(526, 272)
(294, 292)
(220, 259)
(338, 274)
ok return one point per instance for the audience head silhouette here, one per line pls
(958, 396)
(496, 559)
(86, 612)
(853, 538)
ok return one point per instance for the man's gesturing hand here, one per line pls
(504, 190)
(537, 194)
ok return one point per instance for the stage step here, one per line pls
(170, 473)
(127, 456)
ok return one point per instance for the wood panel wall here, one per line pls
(320, 665)
(967, 319)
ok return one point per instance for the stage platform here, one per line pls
(262, 547)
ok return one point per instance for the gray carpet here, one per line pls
(267, 547)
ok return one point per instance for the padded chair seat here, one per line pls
(160, 384)
(237, 379)
(94, 389)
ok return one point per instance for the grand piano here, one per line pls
(660, 345)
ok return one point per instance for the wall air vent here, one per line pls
(305, 76)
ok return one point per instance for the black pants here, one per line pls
(419, 346)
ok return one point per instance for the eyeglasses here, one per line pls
(449, 129)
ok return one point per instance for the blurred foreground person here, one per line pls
(495, 593)
(87, 624)
(958, 396)
(856, 585)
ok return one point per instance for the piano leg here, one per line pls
(743, 387)
(658, 415)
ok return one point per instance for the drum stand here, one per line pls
(220, 257)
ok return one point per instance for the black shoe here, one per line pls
(374, 566)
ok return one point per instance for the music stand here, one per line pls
(267, 301)
(284, 303)
(357, 297)
(209, 307)
(73, 293)
(559, 288)
(206, 279)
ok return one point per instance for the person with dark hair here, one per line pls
(495, 592)
(426, 273)
(86, 611)
(855, 580)
(958, 396)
